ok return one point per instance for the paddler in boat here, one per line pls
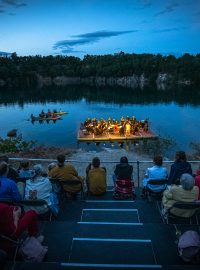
(48, 115)
(32, 117)
(53, 115)
(60, 111)
(42, 114)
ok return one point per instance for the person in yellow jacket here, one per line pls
(96, 178)
(185, 192)
(66, 172)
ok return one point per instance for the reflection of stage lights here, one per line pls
(112, 145)
(121, 144)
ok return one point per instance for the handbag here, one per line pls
(32, 250)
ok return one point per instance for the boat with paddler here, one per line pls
(40, 119)
(61, 113)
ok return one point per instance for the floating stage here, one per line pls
(84, 136)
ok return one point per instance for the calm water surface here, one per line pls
(171, 116)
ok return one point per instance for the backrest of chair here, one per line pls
(23, 179)
(71, 182)
(157, 182)
(187, 205)
(38, 202)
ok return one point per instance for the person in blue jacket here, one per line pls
(8, 188)
(179, 167)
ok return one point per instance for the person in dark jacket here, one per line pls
(179, 167)
(123, 183)
(8, 188)
(123, 170)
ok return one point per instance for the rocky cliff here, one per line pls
(163, 81)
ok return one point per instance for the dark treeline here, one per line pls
(23, 71)
(117, 95)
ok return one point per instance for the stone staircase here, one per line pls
(101, 233)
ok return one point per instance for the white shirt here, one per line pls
(155, 172)
(40, 187)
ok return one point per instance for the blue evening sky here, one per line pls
(79, 27)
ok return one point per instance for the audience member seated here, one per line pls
(13, 223)
(155, 172)
(197, 180)
(185, 192)
(8, 188)
(24, 170)
(66, 172)
(96, 178)
(179, 167)
(124, 185)
(38, 188)
(12, 173)
(24, 174)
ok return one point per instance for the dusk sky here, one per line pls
(80, 27)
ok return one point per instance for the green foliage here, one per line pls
(196, 148)
(19, 71)
(14, 145)
(159, 146)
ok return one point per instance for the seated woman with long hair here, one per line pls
(122, 178)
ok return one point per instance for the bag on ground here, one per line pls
(32, 250)
(189, 245)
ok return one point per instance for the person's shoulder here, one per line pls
(176, 187)
(53, 170)
(68, 165)
(10, 181)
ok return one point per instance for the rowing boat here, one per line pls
(45, 118)
(61, 113)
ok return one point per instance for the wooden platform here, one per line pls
(83, 136)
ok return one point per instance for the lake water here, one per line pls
(171, 114)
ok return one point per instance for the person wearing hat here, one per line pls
(39, 187)
(185, 192)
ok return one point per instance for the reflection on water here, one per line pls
(117, 95)
(172, 113)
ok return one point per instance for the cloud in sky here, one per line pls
(4, 53)
(146, 3)
(165, 30)
(66, 46)
(169, 8)
(15, 3)
(5, 4)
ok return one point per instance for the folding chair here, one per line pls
(38, 203)
(188, 206)
(156, 182)
(73, 183)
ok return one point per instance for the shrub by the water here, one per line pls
(15, 145)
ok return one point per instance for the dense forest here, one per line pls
(23, 71)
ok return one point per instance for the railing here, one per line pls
(138, 165)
